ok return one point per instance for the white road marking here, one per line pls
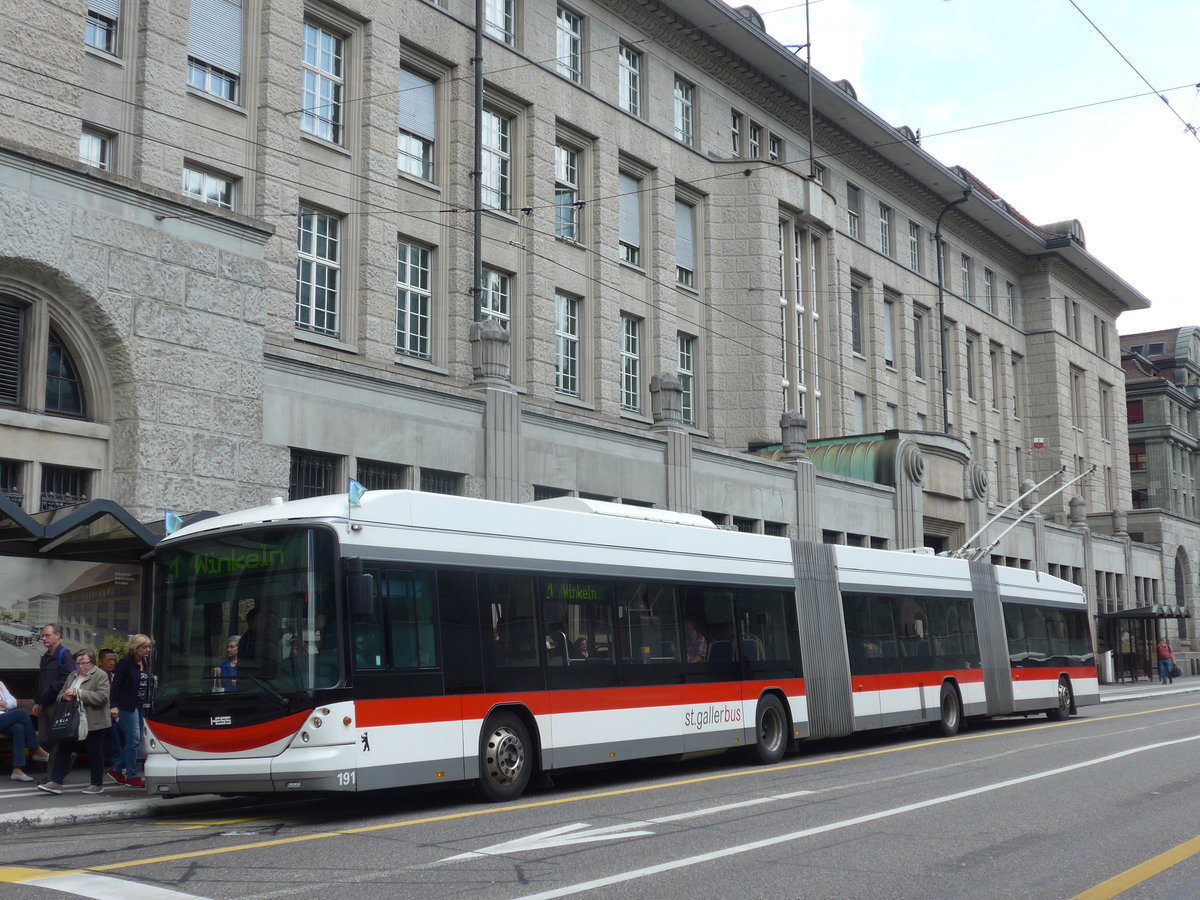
(102, 887)
(835, 826)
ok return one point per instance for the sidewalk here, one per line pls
(23, 807)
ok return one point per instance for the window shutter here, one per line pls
(685, 236)
(417, 113)
(110, 9)
(215, 33)
(10, 354)
(630, 213)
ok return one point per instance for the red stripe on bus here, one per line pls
(901, 680)
(417, 710)
(228, 740)
(1025, 673)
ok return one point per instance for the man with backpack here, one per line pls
(56, 667)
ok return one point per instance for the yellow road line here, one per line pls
(561, 801)
(1118, 884)
(17, 874)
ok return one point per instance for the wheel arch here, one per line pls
(781, 695)
(527, 717)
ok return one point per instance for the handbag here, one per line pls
(64, 721)
(1176, 672)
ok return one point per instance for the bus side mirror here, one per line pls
(360, 591)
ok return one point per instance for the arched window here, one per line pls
(58, 387)
(46, 371)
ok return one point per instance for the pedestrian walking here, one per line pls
(1166, 661)
(130, 695)
(89, 687)
(57, 664)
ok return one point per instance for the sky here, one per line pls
(958, 70)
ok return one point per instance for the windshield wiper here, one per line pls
(277, 697)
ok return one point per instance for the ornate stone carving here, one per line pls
(666, 399)
(977, 478)
(911, 463)
(794, 429)
(491, 351)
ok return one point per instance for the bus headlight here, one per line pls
(317, 721)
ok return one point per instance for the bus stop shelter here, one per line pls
(1131, 635)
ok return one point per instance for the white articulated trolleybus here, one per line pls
(433, 638)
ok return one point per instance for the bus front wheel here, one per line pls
(770, 729)
(1062, 711)
(505, 757)
(951, 715)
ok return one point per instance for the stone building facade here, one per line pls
(248, 229)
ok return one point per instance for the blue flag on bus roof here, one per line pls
(356, 491)
(171, 521)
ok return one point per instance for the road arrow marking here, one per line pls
(563, 836)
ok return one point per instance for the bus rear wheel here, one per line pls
(505, 758)
(951, 711)
(1062, 711)
(770, 730)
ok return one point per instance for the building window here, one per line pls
(818, 173)
(1134, 412)
(207, 187)
(914, 247)
(1106, 424)
(10, 481)
(418, 125)
(434, 481)
(856, 318)
(889, 333)
(684, 108)
(972, 344)
(215, 47)
(1137, 456)
(95, 148)
(754, 151)
(853, 209)
(630, 62)
(1077, 398)
(63, 392)
(318, 272)
(496, 295)
(312, 475)
(321, 83)
(499, 21)
(497, 161)
(631, 363)
(1017, 371)
(1010, 296)
(735, 132)
(919, 344)
(686, 372)
(381, 476)
(63, 486)
(997, 374)
(885, 229)
(566, 344)
(860, 413)
(685, 244)
(629, 215)
(965, 273)
(566, 193)
(211, 80)
(413, 299)
(569, 31)
(775, 148)
(989, 291)
(100, 28)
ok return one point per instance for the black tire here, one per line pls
(951, 717)
(1062, 711)
(770, 730)
(505, 757)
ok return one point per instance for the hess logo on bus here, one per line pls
(221, 720)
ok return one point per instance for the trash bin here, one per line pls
(1107, 675)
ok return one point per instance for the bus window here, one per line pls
(762, 626)
(862, 652)
(513, 621)
(409, 600)
(1014, 625)
(648, 626)
(578, 617)
(882, 633)
(367, 632)
(709, 613)
(913, 632)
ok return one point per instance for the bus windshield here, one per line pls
(249, 612)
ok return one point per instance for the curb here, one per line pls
(50, 817)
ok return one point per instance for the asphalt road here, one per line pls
(1011, 809)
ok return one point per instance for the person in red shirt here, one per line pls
(1165, 661)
